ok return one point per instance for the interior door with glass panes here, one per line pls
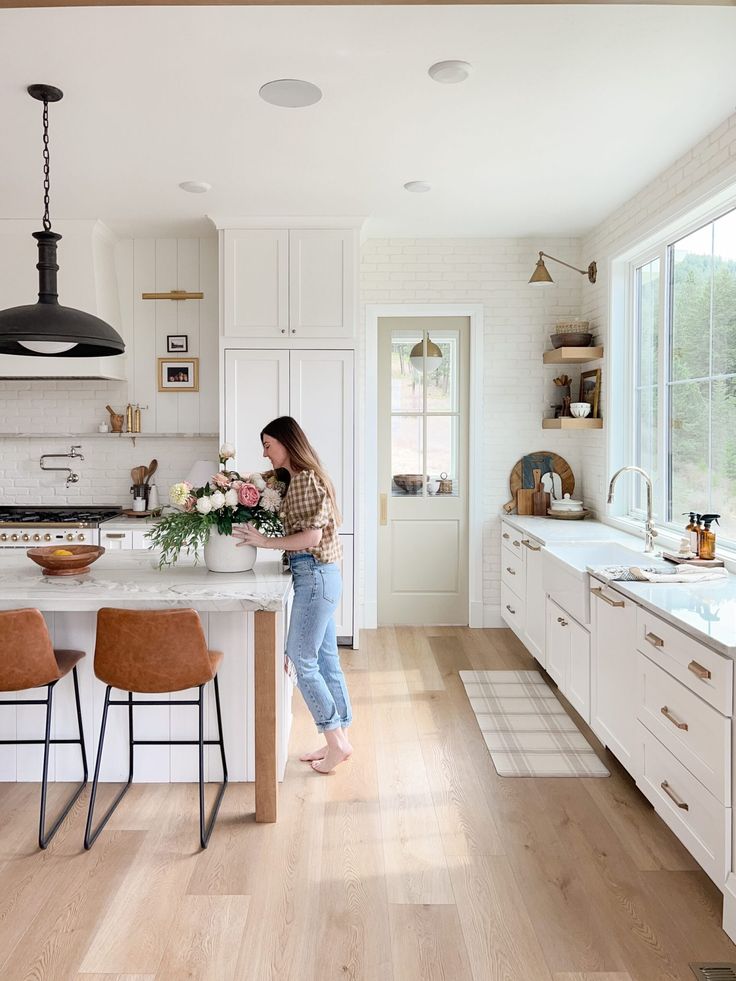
(422, 470)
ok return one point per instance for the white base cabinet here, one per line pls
(522, 592)
(568, 657)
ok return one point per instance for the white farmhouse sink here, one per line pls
(565, 571)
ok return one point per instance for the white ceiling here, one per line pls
(568, 112)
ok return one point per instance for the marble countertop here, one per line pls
(132, 580)
(126, 523)
(547, 531)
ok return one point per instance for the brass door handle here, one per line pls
(673, 796)
(699, 671)
(601, 595)
(384, 509)
(654, 640)
(668, 715)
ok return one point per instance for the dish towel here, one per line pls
(679, 573)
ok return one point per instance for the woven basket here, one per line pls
(572, 327)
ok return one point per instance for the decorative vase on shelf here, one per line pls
(222, 553)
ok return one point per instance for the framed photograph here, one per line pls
(178, 374)
(590, 390)
(177, 343)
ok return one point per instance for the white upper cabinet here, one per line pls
(255, 270)
(256, 391)
(289, 284)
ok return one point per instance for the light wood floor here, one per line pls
(415, 862)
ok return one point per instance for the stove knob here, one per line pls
(37, 538)
(80, 538)
(3, 537)
(14, 538)
(26, 538)
(47, 537)
(70, 537)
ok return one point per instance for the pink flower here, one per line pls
(248, 495)
(190, 504)
(237, 484)
(220, 480)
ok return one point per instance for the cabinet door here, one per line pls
(557, 644)
(116, 540)
(614, 696)
(255, 283)
(344, 612)
(256, 391)
(577, 685)
(321, 282)
(321, 400)
(534, 604)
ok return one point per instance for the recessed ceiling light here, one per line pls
(291, 93)
(417, 187)
(449, 72)
(195, 187)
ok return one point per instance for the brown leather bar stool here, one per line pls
(155, 651)
(29, 661)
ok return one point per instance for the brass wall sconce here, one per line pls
(173, 295)
(541, 276)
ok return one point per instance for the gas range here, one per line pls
(21, 527)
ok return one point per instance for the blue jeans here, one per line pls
(311, 645)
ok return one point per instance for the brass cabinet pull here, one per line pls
(505, 535)
(654, 640)
(114, 534)
(516, 544)
(510, 610)
(532, 548)
(563, 622)
(699, 671)
(668, 715)
(601, 595)
(673, 796)
(510, 570)
(384, 509)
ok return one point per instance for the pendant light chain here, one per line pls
(46, 167)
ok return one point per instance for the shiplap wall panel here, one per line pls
(167, 274)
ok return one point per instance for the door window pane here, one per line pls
(406, 455)
(442, 381)
(442, 454)
(406, 381)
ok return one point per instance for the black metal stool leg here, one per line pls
(206, 832)
(44, 837)
(90, 837)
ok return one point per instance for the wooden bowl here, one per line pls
(410, 483)
(79, 561)
(571, 340)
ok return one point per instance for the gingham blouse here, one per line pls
(307, 505)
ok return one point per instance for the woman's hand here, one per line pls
(250, 536)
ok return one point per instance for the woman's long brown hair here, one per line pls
(302, 455)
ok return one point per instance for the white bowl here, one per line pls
(580, 409)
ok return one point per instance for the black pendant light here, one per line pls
(46, 328)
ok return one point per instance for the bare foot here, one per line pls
(317, 754)
(332, 758)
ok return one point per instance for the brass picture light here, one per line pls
(541, 276)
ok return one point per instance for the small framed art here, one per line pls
(590, 390)
(178, 374)
(177, 343)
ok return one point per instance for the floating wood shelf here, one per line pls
(568, 422)
(573, 355)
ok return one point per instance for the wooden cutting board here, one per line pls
(540, 498)
(559, 466)
(525, 500)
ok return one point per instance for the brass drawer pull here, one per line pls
(505, 535)
(516, 544)
(510, 610)
(563, 622)
(510, 570)
(532, 548)
(673, 796)
(699, 671)
(601, 595)
(111, 534)
(668, 715)
(654, 640)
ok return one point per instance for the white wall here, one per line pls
(66, 412)
(704, 170)
(518, 320)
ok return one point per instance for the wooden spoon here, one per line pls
(152, 468)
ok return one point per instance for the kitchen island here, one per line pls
(243, 614)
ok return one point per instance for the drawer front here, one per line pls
(511, 538)
(701, 822)
(512, 572)
(694, 732)
(512, 610)
(700, 669)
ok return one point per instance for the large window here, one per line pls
(684, 373)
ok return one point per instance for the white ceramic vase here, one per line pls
(223, 554)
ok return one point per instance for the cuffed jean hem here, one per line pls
(328, 726)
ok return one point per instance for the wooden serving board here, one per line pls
(536, 462)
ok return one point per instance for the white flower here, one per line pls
(178, 493)
(227, 452)
(218, 500)
(270, 499)
(204, 505)
(231, 498)
(257, 481)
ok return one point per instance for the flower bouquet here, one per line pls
(205, 516)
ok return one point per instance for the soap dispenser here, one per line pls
(708, 537)
(692, 532)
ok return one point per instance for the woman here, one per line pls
(310, 517)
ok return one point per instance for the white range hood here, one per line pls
(87, 281)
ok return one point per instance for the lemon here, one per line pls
(62, 551)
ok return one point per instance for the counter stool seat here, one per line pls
(155, 652)
(28, 660)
